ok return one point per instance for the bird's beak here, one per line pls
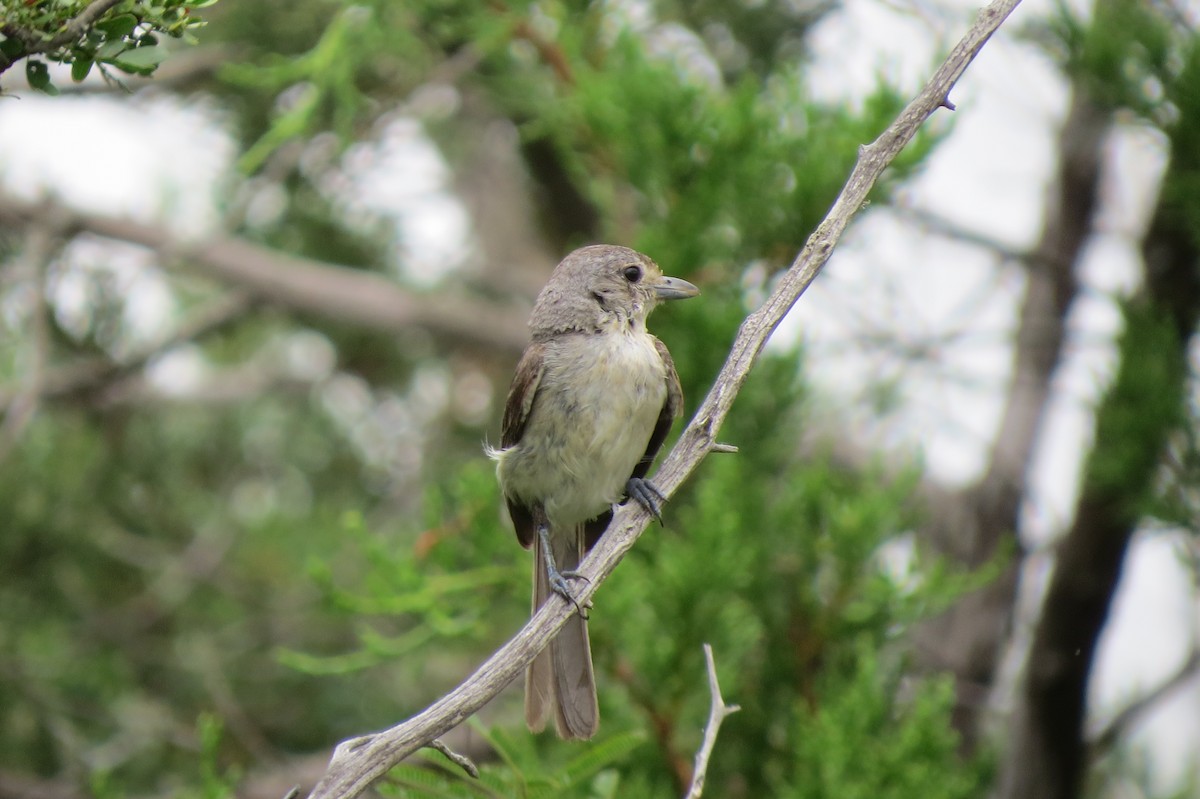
(673, 288)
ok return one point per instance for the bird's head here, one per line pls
(604, 287)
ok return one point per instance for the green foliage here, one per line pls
(125, 37)
(592, 773)
(440, 589)
(327, 72)
(906, 742)
(1143, 406)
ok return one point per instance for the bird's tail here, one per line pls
(561, 676)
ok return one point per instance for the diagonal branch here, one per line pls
(359, 762)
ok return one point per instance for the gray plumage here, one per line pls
(590, 406)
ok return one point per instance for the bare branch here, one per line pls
(358, 297)
(970, 525)
(718, 710)
(1046, 756)
(93, 373)
(941, 226)
(1105, 738)
(361, 761)
(41, 241)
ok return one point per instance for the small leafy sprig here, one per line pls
(121, 34)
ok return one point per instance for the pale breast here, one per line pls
(598, 401)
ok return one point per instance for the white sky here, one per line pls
(155, 158)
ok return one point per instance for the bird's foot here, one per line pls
(647, 495)
(557, 580)
(559, 585)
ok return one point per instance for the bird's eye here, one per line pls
(633, 273)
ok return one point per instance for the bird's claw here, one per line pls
(647, 495)
(559, 585)
(557, 580)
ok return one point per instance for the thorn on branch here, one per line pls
(947, 104)
(717, 446)
(716, 714)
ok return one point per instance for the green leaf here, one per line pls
(38, 75)
(119, 26)
(12, 48)
(143, 58)
(110, 50)
(80, 68)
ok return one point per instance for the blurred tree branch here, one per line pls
(1142, 408)
(971, 525)
(41, 243)
(334, 292)
(1107, 737)
(85, 376)
(941, 226)
(358, 762)
(24, 786)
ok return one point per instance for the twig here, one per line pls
(956, 231)
(358, 763)
(183, 70)
(716, 714)
(462, 761)
(1104, 739)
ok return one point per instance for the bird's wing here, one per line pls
(521, 393)
(516, 413)
(670, 409)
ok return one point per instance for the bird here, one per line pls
(590, 405)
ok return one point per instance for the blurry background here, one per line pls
(258, 315)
